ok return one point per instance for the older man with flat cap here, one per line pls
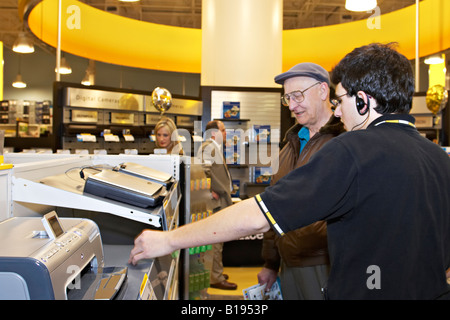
(300, 258)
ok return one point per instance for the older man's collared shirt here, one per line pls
(303, 135)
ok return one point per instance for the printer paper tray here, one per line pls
(88, 286)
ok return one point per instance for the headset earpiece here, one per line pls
(360, 105)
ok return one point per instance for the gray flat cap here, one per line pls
(305, 69)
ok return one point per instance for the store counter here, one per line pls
(34, 188)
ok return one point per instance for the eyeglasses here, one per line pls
(298, 95)
(337, 101)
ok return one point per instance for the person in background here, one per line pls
(216, 168)
(301, 256)
(167, 137)
(380, 186)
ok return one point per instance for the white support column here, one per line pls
(417, 66)
(241, 42)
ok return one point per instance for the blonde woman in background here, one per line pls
(167, 137)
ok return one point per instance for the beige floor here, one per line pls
(244, 277)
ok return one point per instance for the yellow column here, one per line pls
(436, 74)
(1, 70)
(241, 42)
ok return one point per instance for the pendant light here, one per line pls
(434, 59)
(23, 44)
(89, 78)
(86, 81)
(18, 82)
(360, 5)
(64, 67)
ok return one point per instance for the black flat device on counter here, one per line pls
(147, 173)
(125, 188)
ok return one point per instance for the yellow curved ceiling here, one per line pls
(106, 37)
(328, 45)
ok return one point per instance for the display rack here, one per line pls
(113, 120)
(432, 126)
(251, 156)
(30, 180)
(28, 191)
(32, 184)
(198, 205)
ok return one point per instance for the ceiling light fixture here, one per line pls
(86, 81)
(434, 59)
(23, 44)
(89, 78)
(18, 82)
(64, 67)
(360, 5)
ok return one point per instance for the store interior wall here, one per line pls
(38, 71)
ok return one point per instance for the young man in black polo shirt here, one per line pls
(381, 187)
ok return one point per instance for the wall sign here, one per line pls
(100, 99)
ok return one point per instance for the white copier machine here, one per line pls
(49, 258)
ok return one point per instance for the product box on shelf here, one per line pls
(231, 110)
(4, 106)
(261, 133)
(232, 150)
(236, 188)
(262, 175)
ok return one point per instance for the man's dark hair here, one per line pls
(213, 124)
(381, 72)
